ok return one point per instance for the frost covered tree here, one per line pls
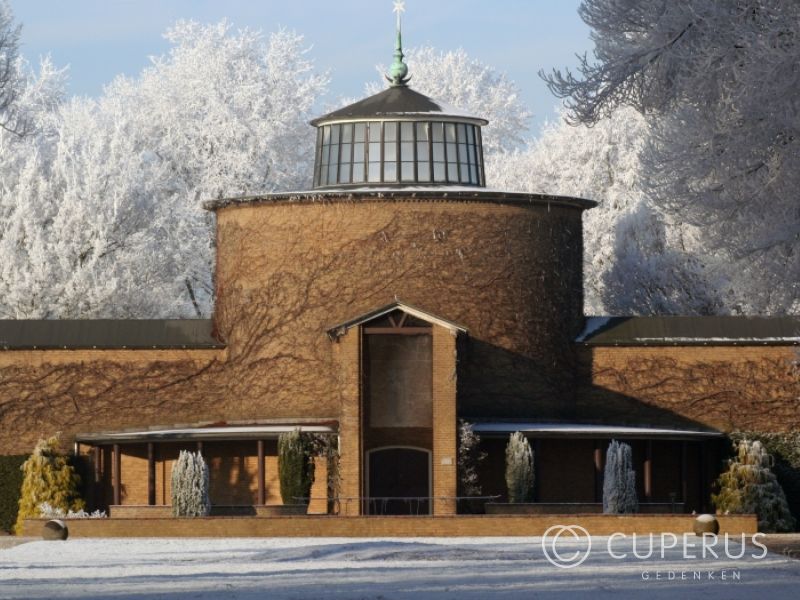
(12, 120)
(103, 217)
(190, 482)
(619, 480)
(750, 486)
(635, 262)
(717, 83)
(454, 78)
(48, 478)
(469, 458)
(295, 467)
(519, 468)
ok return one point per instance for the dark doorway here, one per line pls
(399, 482)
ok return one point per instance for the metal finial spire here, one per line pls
(398, 72)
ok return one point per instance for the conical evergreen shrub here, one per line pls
(47, 478)
(750, 486)
(519, 469)
(295, 467)
(619, 480)
(190, 486)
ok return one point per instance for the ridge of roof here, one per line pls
(101, 334)
(691, 331)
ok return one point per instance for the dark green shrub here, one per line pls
(295, 466)
(10, 486)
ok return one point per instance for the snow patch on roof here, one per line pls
(592, 324)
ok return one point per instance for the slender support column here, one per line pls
(262, 484)
(703, 476)
(537, 456)
(117, 474)
(684, 480)
(151, 473)
(598, 471)
(98, 477)
(648, 471)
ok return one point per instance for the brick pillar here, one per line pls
(348, 350)
(444, 421)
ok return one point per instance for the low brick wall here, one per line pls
(132, 511)
(561, 508)
(333, 526)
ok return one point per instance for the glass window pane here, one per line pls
(422, 151)
(423, 130)
(334, 160)
(346, 150)
(462, 153)
(344, 173)
(390, 172)
(374, 172)
(473, 174)
(407, 151)
(358, 153)
(374, 152)
(472, 158)
(462, 133)
(438, 152)
(335, 134)
(325, 151)
(436, 128)
(332, 173)
(390, 132)
(323, 176)
(423, 172)
(451, 132)
(390, 151)
(407, 171)
(326, 134)
(358, 173)
(463, 170)
(471, 134)
(374, 132)
(360, 131)
(452, 172)
(438, 172)
(407, 131)
(347, 133)
(452, 153)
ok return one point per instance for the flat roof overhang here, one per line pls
(576, 430)
(204, 434)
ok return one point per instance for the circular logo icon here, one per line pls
(580, 545)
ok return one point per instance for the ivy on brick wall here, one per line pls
(10, 485)
(785, 449)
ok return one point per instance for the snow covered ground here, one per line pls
(373, 569)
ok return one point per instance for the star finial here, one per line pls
(399, 70)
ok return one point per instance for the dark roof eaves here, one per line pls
(488, 197)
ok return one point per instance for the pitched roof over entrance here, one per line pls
(341, 329)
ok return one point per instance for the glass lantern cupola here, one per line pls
(398, 138)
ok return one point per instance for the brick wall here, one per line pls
(724, 387)
(445, 454)
(454, 526)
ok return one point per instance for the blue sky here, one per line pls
(99, 39)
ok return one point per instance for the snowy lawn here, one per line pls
(372, 569)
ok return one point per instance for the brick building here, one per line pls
(397, 297)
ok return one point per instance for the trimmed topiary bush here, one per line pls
(47, 477)
(519, 469)
(295, 467)
(190, 486)
(10, 488)
(750, 486)
(619, 480)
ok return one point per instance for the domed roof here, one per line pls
(398, 102)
